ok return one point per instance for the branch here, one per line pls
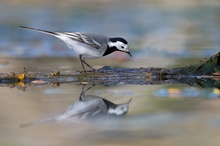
(204, 74)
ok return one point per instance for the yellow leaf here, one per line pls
(216, 91)
(21, 76)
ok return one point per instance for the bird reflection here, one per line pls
(87, 106)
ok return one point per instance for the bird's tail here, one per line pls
(53, 119)
(41, 30)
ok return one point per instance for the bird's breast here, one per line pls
(84, 49)
(87, 51)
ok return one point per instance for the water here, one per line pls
(167, 114)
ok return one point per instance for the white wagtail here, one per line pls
(89, 45)
(88, 106)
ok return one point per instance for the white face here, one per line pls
(120, 110)
(119, 45)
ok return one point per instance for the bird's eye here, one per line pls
(122, 47)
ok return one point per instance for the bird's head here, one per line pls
(119, 44)
(120, 109)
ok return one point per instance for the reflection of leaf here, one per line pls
(216, 91)
(21, 84)
(216, 74)
(217, 78)
(188, 92)
(39, 82)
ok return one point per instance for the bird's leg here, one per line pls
(81, 60)
(82, 94)
(88, 65)
(89, 88)
(84, 62)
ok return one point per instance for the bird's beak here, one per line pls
(129, 53)
(129, 101)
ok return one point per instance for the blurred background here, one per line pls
(183, 29)
(161, 33)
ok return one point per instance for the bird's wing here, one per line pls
(90, 113)
(91, 39)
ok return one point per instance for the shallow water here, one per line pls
(169, 114)
(158, 114)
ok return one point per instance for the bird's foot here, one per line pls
(89, 71)
(93, 70)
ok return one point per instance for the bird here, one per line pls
(89, 45)
(87, 107)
